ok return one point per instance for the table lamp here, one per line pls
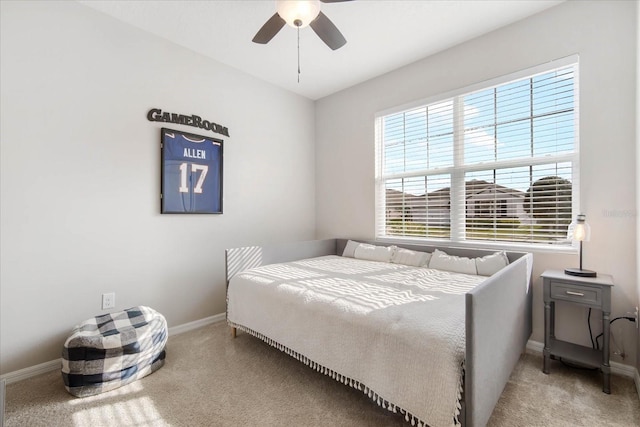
(579, 231)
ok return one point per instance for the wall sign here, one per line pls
(156, 115)
(191, 173)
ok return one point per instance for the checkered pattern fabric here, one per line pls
(109, 351)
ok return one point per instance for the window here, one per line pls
(492, 163)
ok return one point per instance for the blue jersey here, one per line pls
(192, 173)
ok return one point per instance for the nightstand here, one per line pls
(594, 292)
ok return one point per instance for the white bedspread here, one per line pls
(393, 331)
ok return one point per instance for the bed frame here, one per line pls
(497, 314)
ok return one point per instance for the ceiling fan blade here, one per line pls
(269, 29)
(328, 32)
(333, 1)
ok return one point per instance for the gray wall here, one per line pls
(604, 35)
(80, 176)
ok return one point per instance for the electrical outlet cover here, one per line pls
(108, 300)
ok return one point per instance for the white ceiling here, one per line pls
(381, 35)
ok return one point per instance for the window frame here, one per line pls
(458, 216)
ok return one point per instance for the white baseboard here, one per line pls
(186, 327)
(2, 382)
(32, 371)
(616, 367)
(54, 365)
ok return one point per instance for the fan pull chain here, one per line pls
(298, 54)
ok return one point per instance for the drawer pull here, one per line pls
(578, 294)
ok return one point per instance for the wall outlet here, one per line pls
(108, 300)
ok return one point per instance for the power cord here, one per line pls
(573, 365)
(629, 318)
(595, 343)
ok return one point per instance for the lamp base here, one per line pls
(580, 272)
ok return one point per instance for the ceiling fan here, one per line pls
(299, 14)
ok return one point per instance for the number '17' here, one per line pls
(194, 169)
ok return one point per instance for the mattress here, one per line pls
(393, 331)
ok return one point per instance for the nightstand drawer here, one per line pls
(576, 293)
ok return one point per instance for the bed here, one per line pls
(440, 356)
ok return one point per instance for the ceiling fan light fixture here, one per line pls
(298, 13)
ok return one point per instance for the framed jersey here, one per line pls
(191, 173)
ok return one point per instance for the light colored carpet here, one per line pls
(210, 379)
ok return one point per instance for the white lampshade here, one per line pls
(579, 230)
(298, 11)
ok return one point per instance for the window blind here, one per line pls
(498, 163)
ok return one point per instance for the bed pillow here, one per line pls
(374, 253)
(412, 258)
(442, 261)
(350, 249)
(491, 264)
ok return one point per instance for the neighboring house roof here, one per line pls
(477, 186)
(472, 188)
